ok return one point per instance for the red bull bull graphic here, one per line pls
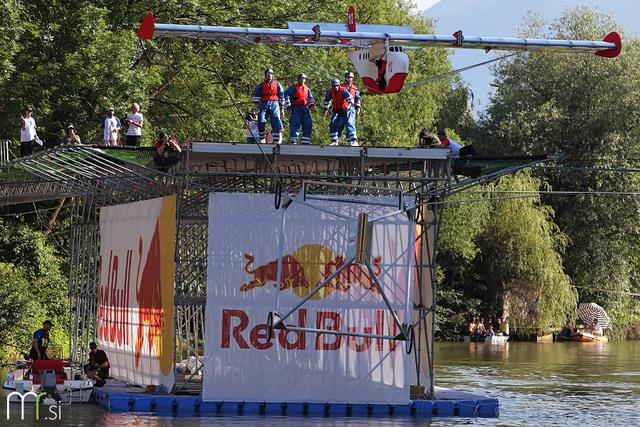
(337, 346)
(307, 268)
(135, 297)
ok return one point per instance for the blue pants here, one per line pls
(352, 136)
(270, 110)
(300, 115)
(338, 121)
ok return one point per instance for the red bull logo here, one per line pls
(154, 290)
(308, 267)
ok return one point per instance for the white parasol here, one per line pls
(590, 310)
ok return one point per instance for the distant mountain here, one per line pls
(500, 18)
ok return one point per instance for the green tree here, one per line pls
(520, 258)
(460, 292)
(33, 288)
(18, 309)
(584, 107)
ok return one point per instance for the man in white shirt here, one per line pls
(134, 134)
(110, 127)
(28, 133)
(596, 329)
(449, 143)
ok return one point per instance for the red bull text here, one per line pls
(238, 331)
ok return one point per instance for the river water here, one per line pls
(551, 384)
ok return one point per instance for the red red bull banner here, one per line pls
(136, 289)
(351, 363)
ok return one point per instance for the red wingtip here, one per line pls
(351, 19)
(147, 27)
(611, 53)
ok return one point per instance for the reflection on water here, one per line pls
(565, 383)
(561, 384)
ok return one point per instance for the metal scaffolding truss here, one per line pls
(97, 176)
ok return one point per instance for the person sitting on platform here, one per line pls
(490, 330)
(425, 139)
(98, 367)
(168, 152)
(596, 329)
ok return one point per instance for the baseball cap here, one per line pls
(29, 109)
(93, 345)
(70, 127)
(110, 109)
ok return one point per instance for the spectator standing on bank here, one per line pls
(110, 128)
(135, 119)
(28, 134)
(72, 137)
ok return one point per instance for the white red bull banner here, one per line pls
(135, 298)
(301, 366)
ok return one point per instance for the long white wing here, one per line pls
(324, 34)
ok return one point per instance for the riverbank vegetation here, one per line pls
(529, 246)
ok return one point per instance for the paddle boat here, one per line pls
(58, 380)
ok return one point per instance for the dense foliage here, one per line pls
(33, 288)
(502, 257)
(587, 109)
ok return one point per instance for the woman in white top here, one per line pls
(134, 134)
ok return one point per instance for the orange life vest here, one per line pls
(339, 101)
(269, 91)
(301, 95)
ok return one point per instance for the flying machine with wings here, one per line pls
(377, 51)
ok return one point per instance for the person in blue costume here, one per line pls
(353, 111)
(269, 100)
(342, 101)
(299, 101)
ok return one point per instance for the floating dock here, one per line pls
(116, 396)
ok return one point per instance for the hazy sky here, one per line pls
(425, 4)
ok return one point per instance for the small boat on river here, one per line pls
(58, 379)
(588, 337)
(488, 339)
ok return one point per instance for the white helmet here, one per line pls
(302, 76)
(335, 82)
(348, 74)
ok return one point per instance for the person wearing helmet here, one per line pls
(269, 100)
(299, 101)
(342, 101)
(354, 110)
